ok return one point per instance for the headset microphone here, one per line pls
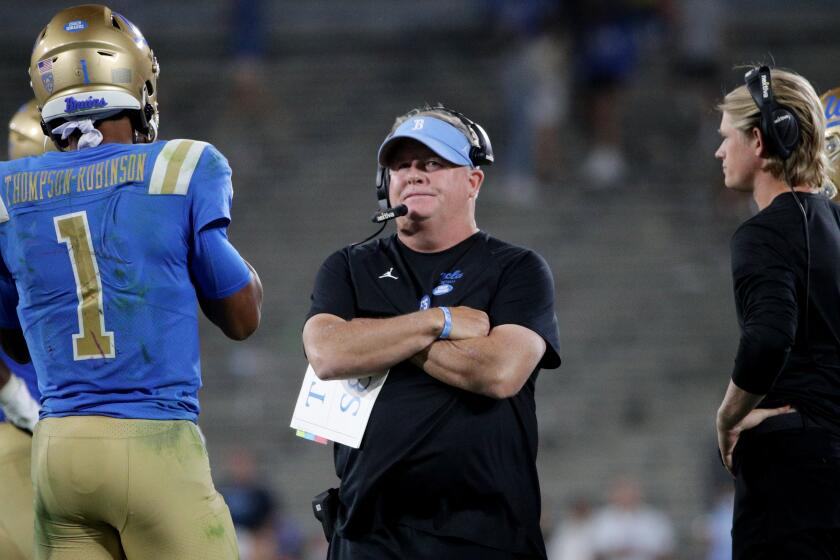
(386, 214)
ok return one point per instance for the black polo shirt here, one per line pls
(435, 458)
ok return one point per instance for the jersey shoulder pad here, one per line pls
(175, 165)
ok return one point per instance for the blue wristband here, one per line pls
(447, 323)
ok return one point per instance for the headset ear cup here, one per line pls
(477, 155)
(786, 128)
(483, 153)
(383, 181)
(778, 125)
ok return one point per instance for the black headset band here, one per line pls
(773, 117)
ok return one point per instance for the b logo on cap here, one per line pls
(418, 124)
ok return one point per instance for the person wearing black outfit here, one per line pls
(464, 322)
(779, 423)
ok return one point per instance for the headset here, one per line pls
(777, 123)
(780, 131)
(481, 152)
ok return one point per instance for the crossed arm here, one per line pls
(492, 362)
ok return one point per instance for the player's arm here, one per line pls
(228, 288)
(237, 315)
(496, 365)
(341, 349)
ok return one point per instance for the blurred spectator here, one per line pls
(248, 35)
(249, 95)
(534, 79)
(698, 47)
(263, 533)
(718, 526)
(628, 529)
(606, 45)
(572, 539)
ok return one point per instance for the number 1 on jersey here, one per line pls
(92, 341)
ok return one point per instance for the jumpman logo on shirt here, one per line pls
(388, 274)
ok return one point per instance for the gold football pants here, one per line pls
(109, 488)
(16, 517)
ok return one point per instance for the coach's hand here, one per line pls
(728, 436)
(468, 323)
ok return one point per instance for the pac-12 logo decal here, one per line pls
(418, 124)
(48, 81)
(75, 25)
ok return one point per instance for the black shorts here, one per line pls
(787, 493)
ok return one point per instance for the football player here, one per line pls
(831, 105)
(18, 390)
(112, 242)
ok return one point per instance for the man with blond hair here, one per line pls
(779, 423)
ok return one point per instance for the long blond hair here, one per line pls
(808, 165)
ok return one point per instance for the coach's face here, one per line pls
(739, 154)
(430, 186)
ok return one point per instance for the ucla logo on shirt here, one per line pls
(447, 281)
(451, 277)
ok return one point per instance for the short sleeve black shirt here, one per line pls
(436, 458)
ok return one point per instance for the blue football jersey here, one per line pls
(98, 243)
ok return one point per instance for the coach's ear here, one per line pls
(476, 178)
(756, 140)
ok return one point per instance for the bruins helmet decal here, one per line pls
(89, 60)
(25, 135)
(831, 106)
